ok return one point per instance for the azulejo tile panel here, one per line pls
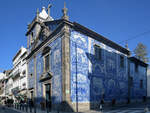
(39, 71)
(136, 91)
(93, 79)
(31, 74)
(55, 67)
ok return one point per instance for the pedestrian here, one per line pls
(101, 105)
(146, 110)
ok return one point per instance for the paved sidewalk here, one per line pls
(106, 109)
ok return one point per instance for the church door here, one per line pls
(48, 96)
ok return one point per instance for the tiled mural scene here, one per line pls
(70, 68)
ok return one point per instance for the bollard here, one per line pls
(30, 109)
(26, 107)
(22, 107)
(34, 109)
(47, 110)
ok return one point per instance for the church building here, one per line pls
(72, 68)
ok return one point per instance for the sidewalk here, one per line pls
(37, 110)
(105, 108)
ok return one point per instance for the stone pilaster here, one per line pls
(66, 67)
(28, 92)
(35, 79)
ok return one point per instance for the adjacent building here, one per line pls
(15, 80)
(73, 68)
(2, 78)
(8, 83)
(18, 75)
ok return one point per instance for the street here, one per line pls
(134, 108)
(126, 109)
(7, 110)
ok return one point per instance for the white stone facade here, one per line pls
(16, 83)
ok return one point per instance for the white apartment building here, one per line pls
(2, 78)
(19, 73)
(8, 84)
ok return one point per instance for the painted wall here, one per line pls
(96, 78)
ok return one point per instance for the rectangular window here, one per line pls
(121, 61)
(136, 67)
(24, 73)
(141, 84)
(131, 81)
(98, 52)
(46, 63)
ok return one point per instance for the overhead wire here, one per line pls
(136, 36)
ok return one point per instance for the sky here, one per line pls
(117, 20)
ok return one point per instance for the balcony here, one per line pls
(15, 90)
(16, 73)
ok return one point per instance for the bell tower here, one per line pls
(37, 26)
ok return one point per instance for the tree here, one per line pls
(141, 52)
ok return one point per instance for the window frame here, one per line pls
(44, 58)
(136, 67)
(141, 84)
(122, 61)
(131, 81)
(98, 53)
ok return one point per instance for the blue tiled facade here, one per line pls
(136, 92)
(95, 74)
(100, 78)
(31, 76)
(39, 71)
(55, 68)
(56, 63)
